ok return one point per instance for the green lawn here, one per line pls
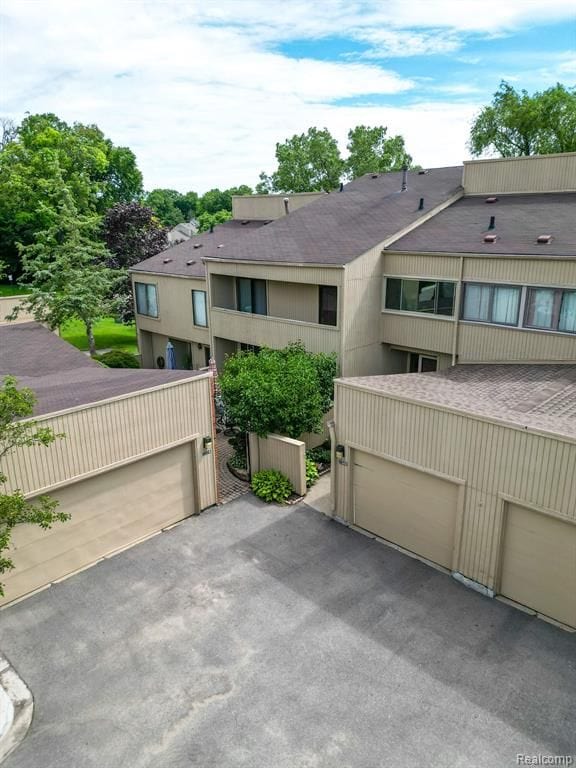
(12, 290)
(108, 334)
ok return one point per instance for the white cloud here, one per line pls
(200, 92)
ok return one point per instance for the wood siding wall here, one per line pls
(290, 273)
(282, 453)
(175, 317)
(273, 332)
(7, 305)
(102, 436)
(544, 173)
(427, 334)
(293, 301)
(494, 461)
(268, 207)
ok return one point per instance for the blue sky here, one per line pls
(202, 91)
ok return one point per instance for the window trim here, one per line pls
(145, 314)
(434, 314)
(194, 320)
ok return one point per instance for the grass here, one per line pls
(108, 335)
(12, 290)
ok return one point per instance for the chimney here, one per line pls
(492, 222)
(421, 204)
(404, 179)
(286, 205)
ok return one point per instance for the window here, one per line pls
(199, 313)
(498, 304)
(551, 309)
(427, 296)
(249, 348)
(251, 296)
(328, 303)
(146, 299)
(418, 363)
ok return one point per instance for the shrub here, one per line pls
(311, 472)
(238, 461)
(118, 359)
(271, 485)
(320, 455)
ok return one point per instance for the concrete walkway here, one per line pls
(257, 636)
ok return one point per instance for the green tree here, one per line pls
(371, 151)
(285, 391)
(207, 220)
(307, 162)
(164, 202)
(17, 430)
(65, 273)
(188, 205)
(516, 123)
(45, 151)
(132, 233)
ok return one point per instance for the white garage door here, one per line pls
(539, 563)
(410, 508)
(109, 511)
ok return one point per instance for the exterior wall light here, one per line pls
(206, 445)
(340, 452)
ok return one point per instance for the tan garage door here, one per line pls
(109, 511)
(405, 506)
(539, 563)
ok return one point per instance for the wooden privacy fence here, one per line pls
(281, 453)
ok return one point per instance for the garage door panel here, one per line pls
(109, 511)
(539, 563)
(411, 508)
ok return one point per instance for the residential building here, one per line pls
(136, 456)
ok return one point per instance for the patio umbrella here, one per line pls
(170, 356)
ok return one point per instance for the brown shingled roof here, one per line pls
(63, 377)
(541, 397)
(519, 220)
(198, 247)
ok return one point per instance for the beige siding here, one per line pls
(223, 348)
(314, 439)
(108, 512)
(490, 343)
(282, 453)
(360, 304)
(521, 271)
(427, 334)
(291, 273)
(293, 301)
(421, 265)
(264, 331)
(174, 308)
(8, 304)
(102, 436)
(268, 207)
(544, 173)
(494, 461)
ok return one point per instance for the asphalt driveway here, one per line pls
(276, 638)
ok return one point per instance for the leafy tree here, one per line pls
(188, 205)
(371, 151)
(65, 273)
(132, 233)
(283, 391)
(164, 204)
(46, 156)
(8, 131)
(306, 163)
(206, 220)
(265, 186)
(516, 123)
(15, 405)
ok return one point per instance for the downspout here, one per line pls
(332, 431)
(457, 302)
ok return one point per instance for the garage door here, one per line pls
(405, 506)
(109, 511)
(539, 563)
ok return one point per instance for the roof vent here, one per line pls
(422, 172)
(490, 238)
(286, 205)
(341, 186)
(404, 179)
(421, 204)
(492, 222)
(374, 175)
(491, 199)
(190, 262)
(166, 261)
(245, 222)
(211, 228)
(220, 246)
(544, 239)
(197, 245)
